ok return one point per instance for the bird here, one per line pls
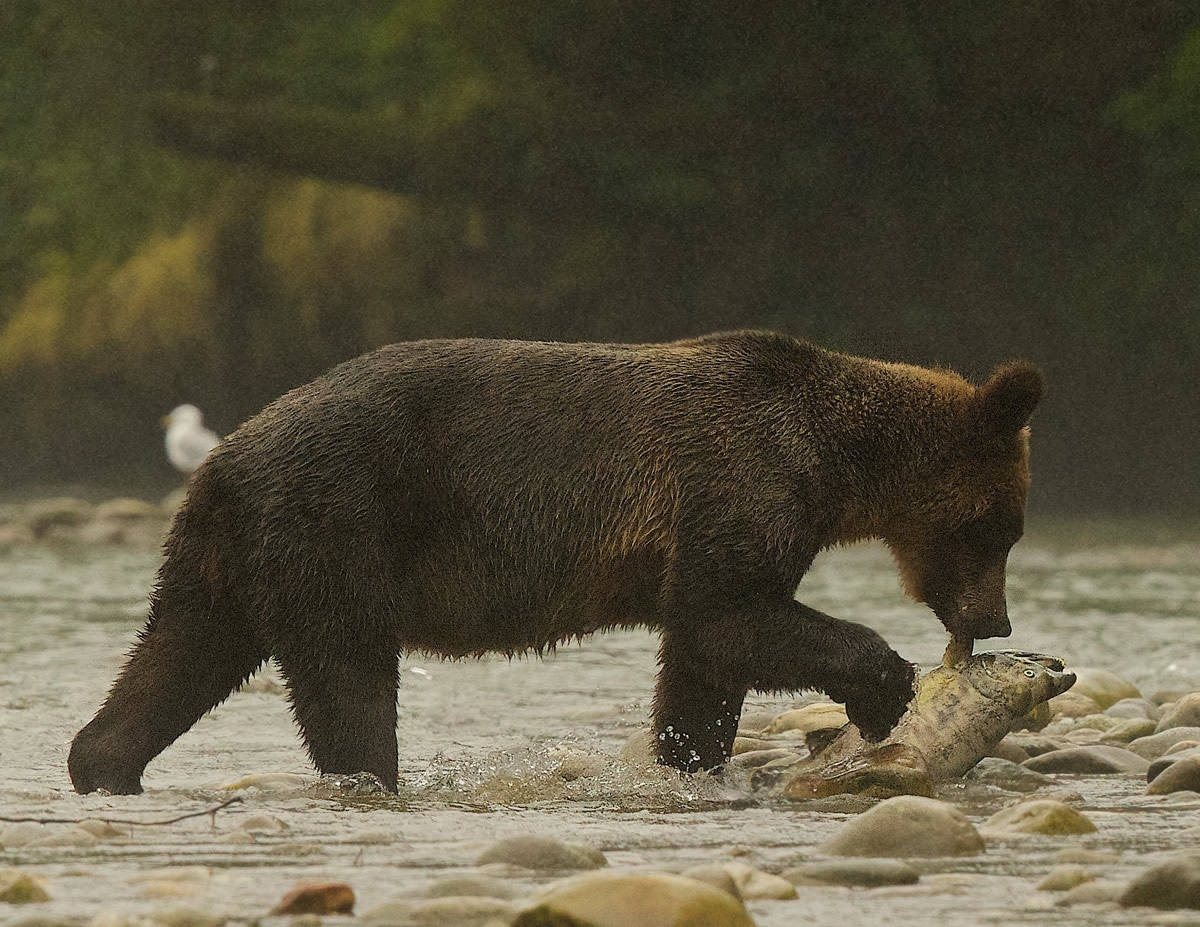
(188, 442)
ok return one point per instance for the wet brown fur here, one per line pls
(466, 497)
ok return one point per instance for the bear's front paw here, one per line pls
(879, 699)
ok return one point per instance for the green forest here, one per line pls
(213, 202)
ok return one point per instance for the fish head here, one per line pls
(1018, 680)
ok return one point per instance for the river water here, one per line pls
(482, 745)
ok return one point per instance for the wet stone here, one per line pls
(1072, 704)
(1064, 878)
(1156, 745)
(1082, 856)
(1092, 760)
(755, 885)
(1169, 885)
(322, 898)
(1097, 892)
(1039, 816)
(1129, 729)
(857, 873)
(1104, 686)
(907, 826)
(1008, 775)
(618, 899)
(1184, 712)
(262, 824)
(17, 887)
(544, 853)
(716, 876)
(1034, 744)
(1183, 775)
(476, 886)
(187, 917)
(461, 911)
(1130, 709)
(1008, 750)
(1172, 756)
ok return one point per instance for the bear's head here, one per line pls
(952, 545)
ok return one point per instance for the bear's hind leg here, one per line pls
(695, 720)
(189, 657)
(345, 705)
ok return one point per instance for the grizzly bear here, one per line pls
(465, 497)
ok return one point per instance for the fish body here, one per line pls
(957, 716)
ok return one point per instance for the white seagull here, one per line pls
(188, 441)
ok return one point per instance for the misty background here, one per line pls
(213, 202)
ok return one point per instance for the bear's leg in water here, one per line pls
(695, 721)
(345, 704)
(190, 656)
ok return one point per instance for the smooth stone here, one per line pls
(756, 758)
(1097, 892)
(545, 853)
(37, 920)
(856, 873)
(1155, 745)
(1104, 686)
(322, 898)
(17, 887)
(715, 875)
(1064, 878)
(906, 826)
(815, 717)
(755, 885)
(1101, 724)
(1039, 816)
(1185, 712)
(1072, 704)
(462, 911)
(1181, 746)
(389, 913)
(1007, 750)
(1034, 744)
(1133, 708)
(1008, 775)
(1092, 760)
(621, 899)
(1169, 758)
(187, 917)
(1129, 729)
(1083, 736)
(1167, 886)
(19, 835)
(73, 836)
(1181, 776)
(477, 886)
(262, 824)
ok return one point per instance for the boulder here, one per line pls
(1092, 760)
(323, 898)
(622, 899)
(545, 853)
(1008, 775)
(856, 873)
(754, 884)
(1064, 878)
(906, 826)
(1170, 757)
(471, 886)
(1039, 816)
(1072, 704)
(1105, 687)
(1156, 745)
(1167, 886)
(1131, 708)
(1183, 775)
(1129, 729)
(1184, 712)
(17, 887)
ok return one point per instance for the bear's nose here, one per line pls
(992, 626)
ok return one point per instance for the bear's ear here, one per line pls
(1004, 403)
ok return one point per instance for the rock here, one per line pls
(1133, 708)
(857, 873)
(103, 830)
(906, 826)
(815, 717)
(1039, 816)
(1129, 729)
(1156, 745)
(476, 886)
(1094, 760)
(1084, 857)
(1105, 687)
(755, 885)
(1072, 704)
(461, 911)
(1183, 775)
(1008, 775)
(392, 913)
(19, 835)
(1007, 750)
(1098, 892)
(756, 758)
(545, 853)
(73, 836)
(1034, 744)
(1064, 878)
(1184, 712)
(262, 824)
(620, 899)
(1169, 885)
(1083, 736)
(1170, 757)
(1094, 724)
(17, 887)
(323, 898)
(716, 876)
(187, 917)
(55, 516)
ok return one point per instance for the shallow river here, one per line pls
(481, 744)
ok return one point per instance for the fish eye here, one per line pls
(1030, 673)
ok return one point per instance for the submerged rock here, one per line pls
(906, 826)
(1090, 760)
(1064, 878)
(323, 898)
(1183, 775)
(1156, 745)
(1169, 885)
(857, 873)
(1129, 729)
(17, 887)
(1008, 775)
(1184, 712)
(546, 853)
(1073, 705)
(1131, 709)
(1039, 816)
(753, 884)
(621, 899)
